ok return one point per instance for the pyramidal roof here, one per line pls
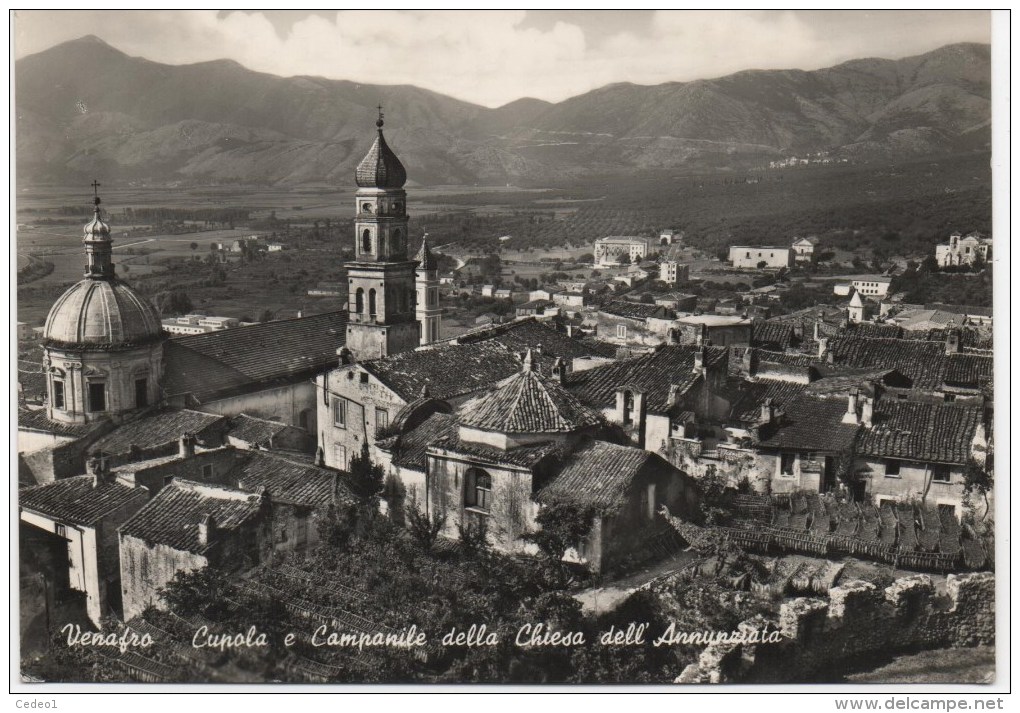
(425, 257)
(527, 403)
(856, 301)
(380, 168)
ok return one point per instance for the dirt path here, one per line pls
(606, 597)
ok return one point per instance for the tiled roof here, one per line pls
(934, 432)
(811, 424)
(254, 430)
(775, 336)
(841, 383)
(747, 397)
(527, 403)
(172, 517)
(925, 363)
(75, 500)
(527, 334)
(36, 420)
(969, 336)
(871, 329)
(969, 310)
(156, 430)
(409, 448)
(223, 361)
(634, 310)
(523, 456)
(968, 369)
(535, 304)
(290, 481)
(448, 370)
(425, 257)
(597, 474)
(652, 373)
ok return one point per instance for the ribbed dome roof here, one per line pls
(96, 228)
(106, 313)
(380, 168)
(527, 403)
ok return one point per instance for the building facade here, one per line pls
(752, 256)
(611, 250)
(963, 250)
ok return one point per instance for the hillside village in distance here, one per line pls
(180, 472)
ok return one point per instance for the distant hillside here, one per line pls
(85, 108)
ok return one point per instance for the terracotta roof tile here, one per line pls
(635, 310)
(652, 373)
(908, 430)
(775, 336)
(409, 448)
(290, 481)
(523, 456)
(172, 517)
(36, 420)
(157, 430)
(216, 363)
(254, 430)
(811, 424)
(527, 403)
(597, 474)
(76, 500)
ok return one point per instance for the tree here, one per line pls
(977, 478)
(172, 302)
(194, 246)
(266, 316)
(366, 478)
(625, 259)
(424, 529)
(564, 525)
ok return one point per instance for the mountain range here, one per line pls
(84, 108)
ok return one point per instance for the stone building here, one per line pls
(962, 250)
(804, 248)
(381, 279)
(751, 256)
(524, 444)
(80, 516)
(103, 342)
(633, 324)
(611, 250)
(188, 526)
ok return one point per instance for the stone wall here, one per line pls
(857, 620)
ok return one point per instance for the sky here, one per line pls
(494, 57)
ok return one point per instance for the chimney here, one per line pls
(851, 408)
(560, 370)
(823, 347)
(817, 331)
(346, 356)
(768, 411)
(952, 340)
(699, 361)
(320, 457)
(97, 468)
(300, 314)
(867, 410)
(674, 396)
(747, 361)
(206, 529)
(186, 445)
(538, 350)
(529, 362)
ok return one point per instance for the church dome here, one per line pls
(380, 168)
(102, 313)
(528, 403)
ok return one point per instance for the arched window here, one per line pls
(371, 302)
(366, 207)
(366, 241)
(397, 234)
(359, 301)
(478, 489)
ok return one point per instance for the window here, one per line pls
(366, 207)
(382, 419)
(340, 453)
(478, 493)
(97, 396)
(141, 393)
(371, 302)
(207, 470)
(359, 301)
(949, 398)
(628, 406)
(58, 394)
(892, 469)
(339, 413)
(60, 529)
(364, 377)
(366, 241)
(940, 473)
(621, 331)
(786, 461)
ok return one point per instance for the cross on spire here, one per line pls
(95, 189)
(379, 121)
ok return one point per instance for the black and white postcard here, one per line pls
(529, 348)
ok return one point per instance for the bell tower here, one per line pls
(381, 280)
(428, 311)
